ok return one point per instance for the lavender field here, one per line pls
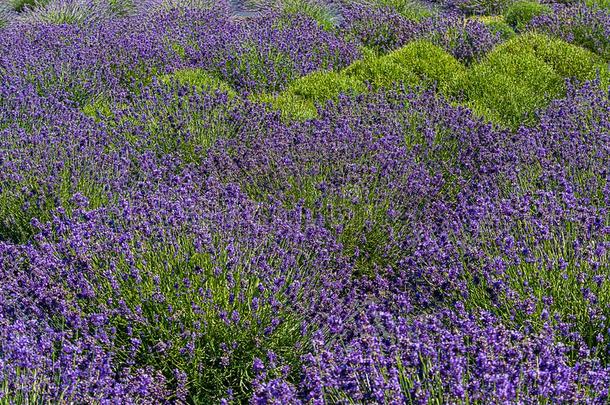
(304, 202)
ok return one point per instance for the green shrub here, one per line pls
(326, 85)
(298, 101)
(198, 78)
(381, 72)
(525, 74)
(291, 106)
(519, 14)
(508, 88)
(419, 62)
(568, 60)
(429, 62)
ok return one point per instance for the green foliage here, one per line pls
(428, 62)
(100, 108)
(381, 72)
(519, 14)
(292, 107)
(198, 78)
(483, 7)
(568, 60)
(298, 101)
(514, 80)
(419, 62)
(529, 276)
(325, 85)
(261, 67)
(27, 392)
(121, 7)
(523, 75)
(508, 88)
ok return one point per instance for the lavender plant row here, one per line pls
(166, 239)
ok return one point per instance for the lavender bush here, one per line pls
(588, 27)
(203, 206)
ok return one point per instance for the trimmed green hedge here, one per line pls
(419, 62)
(320, 86)
(525, 74)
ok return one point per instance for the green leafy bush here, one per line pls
(380, 72)
(298, 100)
(568, 60)
(321, 86)
(292, 107)
(419, 62)
(519, 14)
(509, 87)
(524, 75)
(604, 4)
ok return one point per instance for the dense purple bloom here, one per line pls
(586, 26)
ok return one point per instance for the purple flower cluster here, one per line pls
(383, 29)
(467, 40)
(379, 28)
(586, 26)
(162, 242)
